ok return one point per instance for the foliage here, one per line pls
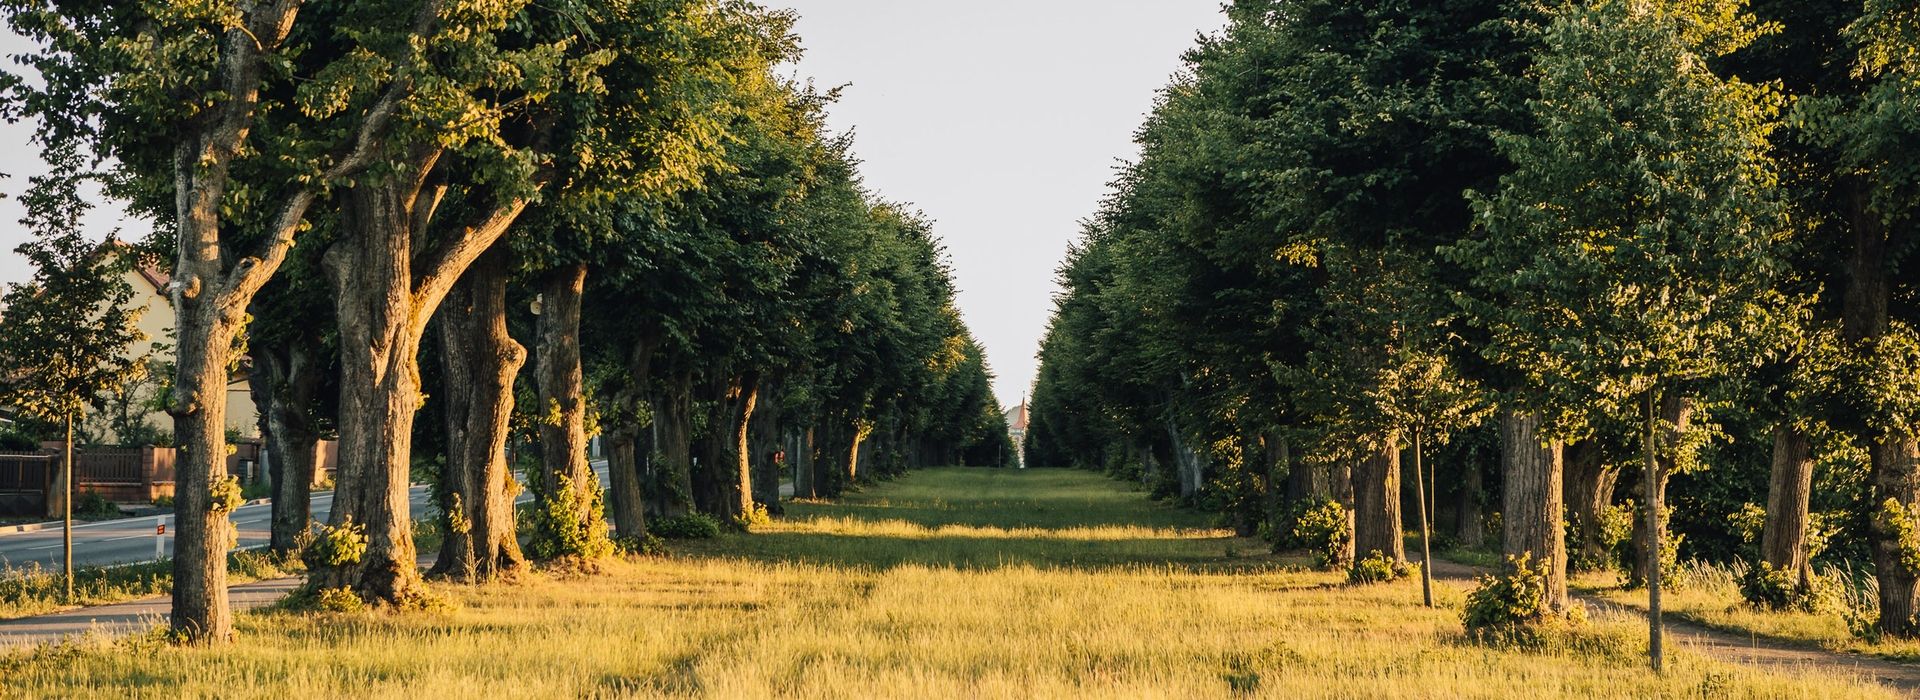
(1509, 608)
(1616, 528)
(90, 505)
(559, 528)
(692, 526)
(1765, 587)
(336, 546)
(1377, 567)
(1319, 526)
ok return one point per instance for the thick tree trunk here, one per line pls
(1896, 477)
(714, 472)
(383, 303)
(379, 387)
(1783, 540)
(1532, 517)
(481, 360)
(287, 380)
(567, 480)
(805, 466)
(763, 443)
(674, 416)
(1469, 516)
(1590, 480)
(204, 534)
(1376, 504)
(743, 447)
(625, 451)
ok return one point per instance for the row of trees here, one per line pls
(628, 185)
(1601, 239)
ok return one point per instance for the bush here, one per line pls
(1767, 588)
(1510, 607)
(647, 545)
(754, 518)
(560, 530)
(90, 505)
(1317, 526)
(1376, 567)
(1615, 528)
(336, 546)
(692, 526)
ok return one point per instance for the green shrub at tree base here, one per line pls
(692, 526)
(1509, 608)
(1377, 567)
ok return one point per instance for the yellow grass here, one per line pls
(949, 583)
(1712, 598)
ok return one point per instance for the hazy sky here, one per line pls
(1002, 120)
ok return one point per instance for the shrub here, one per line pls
(1767, 588)
(337, 600)
(93, 506)
(1615, 527)
(336, 546)
(1376, 567)
(753, 518)
(692, 526)
(1510, 607)
(647, 545)
(1317, 526)
(560, 530)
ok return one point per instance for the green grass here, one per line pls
(946, 583)
(34, 590)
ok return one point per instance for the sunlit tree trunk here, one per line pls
(567, 478)
(1376, 504)
(1532, 514)
(481, 360)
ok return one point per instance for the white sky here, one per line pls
(1002, 120)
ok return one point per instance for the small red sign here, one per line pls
(160, 529)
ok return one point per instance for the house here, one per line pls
(139, 406)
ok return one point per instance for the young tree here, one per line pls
(68, 328)
(1639, 232)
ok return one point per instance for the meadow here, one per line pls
(946, 583)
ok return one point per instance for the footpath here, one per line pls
(1738, 648)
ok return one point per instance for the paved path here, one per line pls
(131, 540)
(139, 615)
(127, 618)
(1740, 648)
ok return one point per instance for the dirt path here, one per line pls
(1738, 648)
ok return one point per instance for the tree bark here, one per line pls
(1783, 540)
(1590, 480)
(625, 446)
(1675, 415)
(763, 443)
(1376, 504)
(567, 481)
(1532, 517)
(384, 297)
(674, 416)
(288, 380)
(1468, 515)
(743, 447)
(481, 361)
(1896, 477)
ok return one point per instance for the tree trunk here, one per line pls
(624, 446)
(1469, 526)
(1590, 481)
(481, 361)
(674, 416)
(203, 533)
(1675, 415)
(1783, 540)
(1532, 517)
(567, 481)
(1896, 477)
(1376, 504)
(286, 383)
(804, 466)
(763, 443)
(749, 394)
(383, 303)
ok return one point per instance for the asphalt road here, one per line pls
(131, 540)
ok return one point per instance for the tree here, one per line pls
(1641, 223)
(54, 361)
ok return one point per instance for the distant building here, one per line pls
(1017, 429)
(157, 319)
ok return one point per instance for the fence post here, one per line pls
(159, 537)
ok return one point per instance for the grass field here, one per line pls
(948, 583)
